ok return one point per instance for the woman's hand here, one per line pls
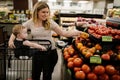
(11, 44)
(11, 41)
(81, 34)
(77, 33)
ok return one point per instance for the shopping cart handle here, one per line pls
(45, 42)
(42, 40)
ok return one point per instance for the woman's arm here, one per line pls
(34, 45)
(11, 41)
(56, 28)
(64, 33)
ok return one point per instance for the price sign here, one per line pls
(107, 38)
(95, 59)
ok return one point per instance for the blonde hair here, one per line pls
(17, 29)
(37, 7)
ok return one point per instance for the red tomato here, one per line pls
(86, 68)
(77, 69)
(110, 69)
(77, 62)
(103, 77)
(91, 76)
(70, 64)
(80, 75)
(99, 69)
(115, 77)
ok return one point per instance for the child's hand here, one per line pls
(43, 48)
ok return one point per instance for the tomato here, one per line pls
(65, 49)
(85, 68)
(80, 75)
(77, 69)
(103, 77)
(110, 69)
(115, 77)
(77, 62)
(90, 31)
(66, 56)
(113, 31)
(99, 69)
(75, 56)
(65, 53)
(98, 47)
(88, 55)
(117, 36)
(92, 76)
(70, 64)
(71, 51)
(105, 56)
(70, 59)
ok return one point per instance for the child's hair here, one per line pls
(17, 28)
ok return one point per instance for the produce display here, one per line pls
(83, 23)
(88, 60)
(113, 22)
(113, 18)
(115, 12)
(99, 31)
(90, 21)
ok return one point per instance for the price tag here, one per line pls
(107, 38)
(95, 59)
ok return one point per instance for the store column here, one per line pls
(20, 5)
(23, 5)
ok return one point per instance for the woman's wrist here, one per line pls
(79, 33)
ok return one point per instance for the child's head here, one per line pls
(20, 31)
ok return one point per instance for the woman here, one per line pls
(41, 27)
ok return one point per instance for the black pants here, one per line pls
(44, 62)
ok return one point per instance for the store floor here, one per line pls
(57, 70)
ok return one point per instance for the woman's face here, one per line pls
(43, 14)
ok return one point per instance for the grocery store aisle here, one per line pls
(57, 70)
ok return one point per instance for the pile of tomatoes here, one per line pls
(82, 70)
(85, 71)
(99, 31)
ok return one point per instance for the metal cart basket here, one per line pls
(20, 68)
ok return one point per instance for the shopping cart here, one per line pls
(20, 68)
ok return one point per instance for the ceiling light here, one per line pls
(83, 2)
(67, 1)
(51, 0)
